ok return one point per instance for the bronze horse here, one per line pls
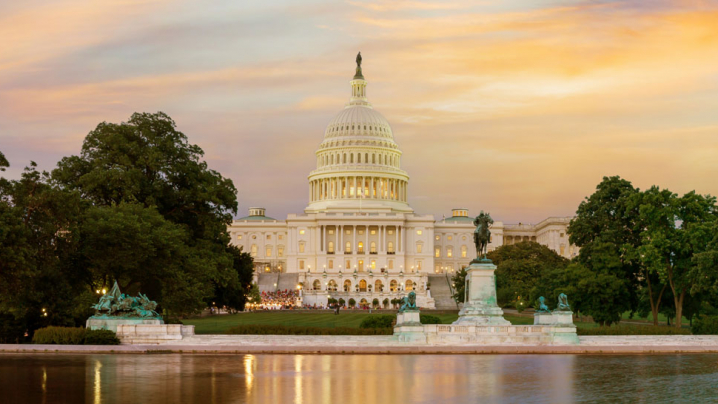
(482, 234)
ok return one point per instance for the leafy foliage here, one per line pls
(459, 281)
(633, 330)
(429, 319)
(101, 337)
(59, 335)
(704, 325)
(378, 321)
(519, 268)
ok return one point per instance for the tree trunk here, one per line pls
(654, 305)
(679, 308)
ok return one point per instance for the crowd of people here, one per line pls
(279, 300)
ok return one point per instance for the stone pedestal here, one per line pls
(480, 306)
(541, 318)
(408, 327)
(108, 323)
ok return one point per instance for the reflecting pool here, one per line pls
(347, 379)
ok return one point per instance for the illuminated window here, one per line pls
(330, 231)
(301, 264)
(418, 265)
(268, 252)
(269, 236)
(348, 264)
(390, 247)
(301, 231)
(239, 237)
(373, 264)
(449, 252)
(464, 238)
(418, 248)
(372, 247)
(301, 246)
(254, 237)
(463, 251)
(390, 231)
(391, 264)
(437, 252)
(280, 252)
(419, 232)
(361, 231)
(348, 232)
(438, 237)
(253, 250)
(281, 237)
(372, 232)
(330, 264)
(360, 248)
(449, 238)
(331, 247)
(348, 247)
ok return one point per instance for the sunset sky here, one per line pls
(518, 107)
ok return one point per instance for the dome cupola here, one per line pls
(358, 162)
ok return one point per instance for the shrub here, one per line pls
(375, 302)
(101, 337)
(59, 335)
(385, 302)
(704, 325)
(342, 302)
(352, 302)
(74, 336)
(263, 329)
(428, 319)
(633, 330)
(377, 321)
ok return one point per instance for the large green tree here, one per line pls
(147, 163)
(607, 230)
(673, 234)
(37, 224)
(234, 295)
(519, 268)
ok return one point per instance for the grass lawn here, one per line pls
(219, 324)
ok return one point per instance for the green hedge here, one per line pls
(101, 337)
(705, 325)
(428, 319)
(74, 336)
(633, 330)
(377, 321)
(262, 329)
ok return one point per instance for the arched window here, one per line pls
(463, 251)
(344, 159)
(362, 285)
(347, 285)
(409, 285)
(351, 158)
(373, 158)
(332, 285)
(360, 248)
(348, 247)
(419, 246)
(366, 157)
(332, 159)
(378, 286)
(390, 247)
(449, 252)
(330, 247)
(268, 252)
(393, 285)
(380, 159)
(358, 157)
(253, 250)
(372, 247)
(317, 285)
(437, 252)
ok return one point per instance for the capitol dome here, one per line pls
(358, 162)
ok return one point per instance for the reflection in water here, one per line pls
(309, 379)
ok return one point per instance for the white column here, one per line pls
(324, 238)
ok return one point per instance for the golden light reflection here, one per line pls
(298, 392)
(98, 383)
(44, 384)
(249, 364)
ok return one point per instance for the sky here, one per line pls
(515, 107)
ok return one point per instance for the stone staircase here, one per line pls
(268, 282)
(441, 292)
(287, 281)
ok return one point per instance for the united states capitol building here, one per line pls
(358, 238)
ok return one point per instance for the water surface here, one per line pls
(348, 379)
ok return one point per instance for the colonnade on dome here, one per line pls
(358, 187)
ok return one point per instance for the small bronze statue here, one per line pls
(482, 235)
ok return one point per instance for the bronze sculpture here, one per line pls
(482, 235)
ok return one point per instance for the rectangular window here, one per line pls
(449, 253)
(372, 232)
(301, 231)
(437, 252)
(348, 232)
(280, 252)
(301, 264)
(418, 248)
(301, 247)
(449, 238)
(330, 231)
(419, 232)
(373, 264)
(269, 236)
(391, 264)
(349, 264)
(463, 252)
(269, 252)
(390, 231)
(418, 265)
(330, 264)
(239, 237)
(281, 237)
